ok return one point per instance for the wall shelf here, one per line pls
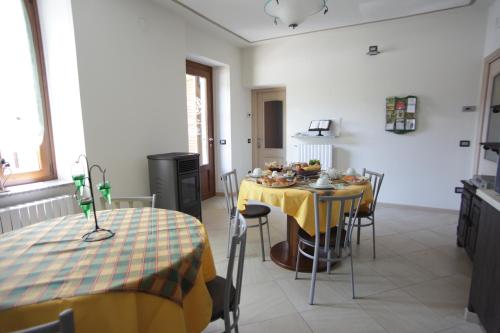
(333, 132)
(313, 136)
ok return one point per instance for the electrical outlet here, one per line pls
(464, 143)
(459, 189)
(222, 142)
(469, 108)
(249, 140)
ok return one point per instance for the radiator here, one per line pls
(322, 152)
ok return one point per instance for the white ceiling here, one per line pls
(247, 19)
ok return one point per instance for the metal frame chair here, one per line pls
(65, 324)
(375, 179)
(117, 202)
(221, 289)
(260, 212)
(15, 217)
(324, 246)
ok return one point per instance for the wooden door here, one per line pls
(269, 126)
(199, 97)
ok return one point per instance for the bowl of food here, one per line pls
(274, 166)
(309, 169)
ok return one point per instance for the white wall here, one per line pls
(131, 64)
(131, 60)
(492, 29)
(435, 56)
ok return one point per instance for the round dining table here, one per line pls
(150, 277)
(297, 202)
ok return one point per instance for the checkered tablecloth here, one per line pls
(154, 251)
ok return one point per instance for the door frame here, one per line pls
(255, 132)
(195, 68)
(483, 115)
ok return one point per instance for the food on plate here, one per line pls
(314, 167)
(354, 179)
(274, 166)
(278, 181)
(314, 162)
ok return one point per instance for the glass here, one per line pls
(197, 115)
(273, 124)
(21, 108)
(78, 175)
(105, 190)
(494, 119)
(85, 201)
(86, 206)
(79, 181)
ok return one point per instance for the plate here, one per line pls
(276, 185)
(360, 180)
(322, 187)
(253, 176)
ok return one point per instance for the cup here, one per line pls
(323, 180)
(332, 173)
(257, 172)
(350, 172)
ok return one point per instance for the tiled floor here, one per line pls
(418, 283)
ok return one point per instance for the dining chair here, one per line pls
(65, 324)
(253, 211)
(15, 217)
(375, 179)
(335, 244)
(224, 293)
(130, 202)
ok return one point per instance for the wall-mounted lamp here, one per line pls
(373, 50)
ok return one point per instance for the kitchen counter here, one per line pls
(490, 196)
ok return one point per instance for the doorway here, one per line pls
(493, 109)
(200, 118)
(489, 124)
(268, 127)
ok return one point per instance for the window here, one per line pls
(25, 133)
(197, 114)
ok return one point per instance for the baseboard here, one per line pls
(421, 208)
(471, 317)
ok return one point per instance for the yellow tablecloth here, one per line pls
(125, 311)
(298, 202)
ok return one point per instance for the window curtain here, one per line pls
(21, 104)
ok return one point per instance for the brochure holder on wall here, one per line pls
(401, 114)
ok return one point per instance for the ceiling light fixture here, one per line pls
(294, 12)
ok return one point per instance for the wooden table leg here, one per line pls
(284, 254)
